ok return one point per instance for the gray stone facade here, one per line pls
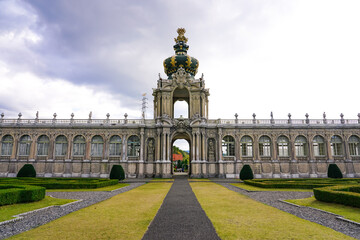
(274, 148)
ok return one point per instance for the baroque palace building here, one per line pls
(218, 148)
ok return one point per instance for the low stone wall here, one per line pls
(162, 169)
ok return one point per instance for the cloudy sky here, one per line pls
(257, 56)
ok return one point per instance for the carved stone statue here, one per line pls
(211, 150)
(151, 150)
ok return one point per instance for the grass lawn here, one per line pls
(124, 216)
(162, 180)
(236, 216)
(199, 180)
(107, 188)
(254, 188)
(347, 212)
(8, 211)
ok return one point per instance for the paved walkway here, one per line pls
(180, 216)
(273, 198)
(37, 218)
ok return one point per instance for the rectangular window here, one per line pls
(60, 149)
(6, 149)
(354, 150)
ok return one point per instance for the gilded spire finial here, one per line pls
(181, 37)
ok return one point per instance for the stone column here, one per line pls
(124, 146)
(142, 144)
(237, 148)
(106, 148)
(256, 148)
(274, 154)
(33, 147)
(51, 152)
(169, 150)
(15, 148)
(69, 147)
(203, 152)
(87, 148)
(220, 145)
(328, 146)
(310, 148)
(346, 148)
(197, 146)
(164, 147)
(193, 158)
(158, 145)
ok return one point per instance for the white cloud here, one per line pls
(257, 56)
(28, 93)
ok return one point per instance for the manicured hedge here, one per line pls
(10, 194)
(344, 194)
(117, 172)
(334, 171)
(301, 183)
(27, 170)
(61, 183)
(246, 173)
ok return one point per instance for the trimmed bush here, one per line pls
(27, 170)
(10, 194)
(61, 183)
(246, 173)
(299, 183)
(117, 172)
(334, 171)
(347, 195)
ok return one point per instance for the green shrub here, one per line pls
(61, 183)
(301, 183)
(334, 171)
(10, 194)
(117, 172)
(27, 170)
(246, 173)
(344, 194)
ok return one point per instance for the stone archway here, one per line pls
(181, 136)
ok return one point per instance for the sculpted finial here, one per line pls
(181, 37)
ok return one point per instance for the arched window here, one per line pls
(7, 143)
(61, 145)
(283, 146)
(228, 146)
(319, 146)
(133, 144)
(43, 145)
(97, 146)
(246, 146)
(79, 146)
(354, 145)
(115, 146)
(24, 145)
(264, 146)
(336, 145)
(300, 146)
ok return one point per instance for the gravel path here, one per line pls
(180, 216)
(273, 198)
(45, 215)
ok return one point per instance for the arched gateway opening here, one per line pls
(180, 152)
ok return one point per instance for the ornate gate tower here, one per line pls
(180, 85)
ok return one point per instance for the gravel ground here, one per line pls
(180, 216)
(43, 216)
(326, 219)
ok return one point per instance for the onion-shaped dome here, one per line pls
(181, 59)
